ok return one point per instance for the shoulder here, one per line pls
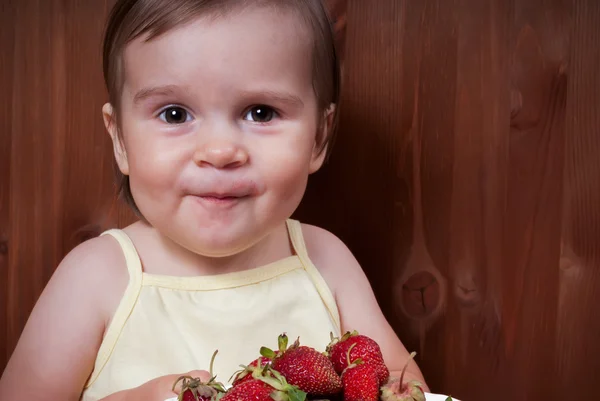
(92, 253)
(331, 256)
(323, 245)
(93, 259)
(93, 271)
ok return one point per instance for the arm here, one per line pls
(159, 389)
(356, 300)
(57, 348)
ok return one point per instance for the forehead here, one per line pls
(252, 46)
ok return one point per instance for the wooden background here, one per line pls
(466, 177)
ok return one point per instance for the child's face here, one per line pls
(219, 122)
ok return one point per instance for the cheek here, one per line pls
(153, 166)
(286, 167)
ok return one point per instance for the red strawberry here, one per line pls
(360, 382)
(304, 367)
(193, 389)
(362, 347)
(247, 371)
(254, 389)
(396, 390)
(270, 387)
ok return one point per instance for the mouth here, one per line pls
(220, 200)
(224, 194)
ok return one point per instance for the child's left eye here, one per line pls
(260, 114)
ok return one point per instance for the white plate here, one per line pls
(437, 397)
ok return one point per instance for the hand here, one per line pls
(159, 389)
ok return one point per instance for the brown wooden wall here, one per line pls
(466, 177)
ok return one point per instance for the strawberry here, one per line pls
(363, 347)
(360, 382)
(271, 386)
(193, 389)
(246, 373)
(396, 390)
(304, 367)
(250, 390)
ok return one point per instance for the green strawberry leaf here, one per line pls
(267, 352)
(283, 342)
(296, 394)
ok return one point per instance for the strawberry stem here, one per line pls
(412, 355)
(188, 383)
(348, 354)
(181, 378)
(212, 361)
(265, 369)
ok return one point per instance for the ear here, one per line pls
(320, 151)
(110, 123)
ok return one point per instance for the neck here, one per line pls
(163, 256)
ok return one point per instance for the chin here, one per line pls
(216, 242)
(214, 248)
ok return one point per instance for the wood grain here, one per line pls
(478, 187)
(7, 42)
(89, 209)
(36, 156)
(578, 320)
(536, 162)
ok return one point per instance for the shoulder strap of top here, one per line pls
(297, 239)
(132, 259)
(128, 301)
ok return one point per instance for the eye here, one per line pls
(260, 114)
(174, 115)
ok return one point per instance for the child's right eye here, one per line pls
(174, 115)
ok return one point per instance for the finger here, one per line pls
(203, 375)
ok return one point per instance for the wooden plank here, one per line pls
(426, 162)
(36, 152)
(88, 173)
(473, 326)
(577, 346)
(540, 53)
(7, 43)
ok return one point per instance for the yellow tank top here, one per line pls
(170, 325)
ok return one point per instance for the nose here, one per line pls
(220, 153)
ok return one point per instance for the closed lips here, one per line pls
(225, 190)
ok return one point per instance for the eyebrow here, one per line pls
(279, 97)
(145, 93)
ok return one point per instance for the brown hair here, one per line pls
(130, 19)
